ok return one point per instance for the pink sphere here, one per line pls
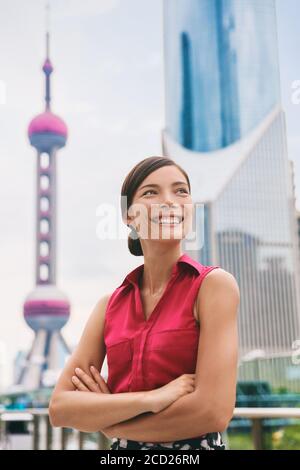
(47, 122)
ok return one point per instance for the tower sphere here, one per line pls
(46, 130)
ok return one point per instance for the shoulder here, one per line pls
(98, 312)
(219, 277)
(111, 299)
(103, 301)
(218, 287)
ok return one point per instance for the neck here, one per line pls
(157, 270)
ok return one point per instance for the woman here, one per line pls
(166, 388)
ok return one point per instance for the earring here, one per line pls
(133, 234)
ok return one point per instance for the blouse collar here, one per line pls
(184, 259)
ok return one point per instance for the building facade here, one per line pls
(226, 127)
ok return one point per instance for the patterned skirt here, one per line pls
(209, 441)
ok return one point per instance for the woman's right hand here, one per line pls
(163, 396)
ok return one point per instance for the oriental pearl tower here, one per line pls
(46, 309)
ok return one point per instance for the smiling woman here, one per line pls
(169, 331)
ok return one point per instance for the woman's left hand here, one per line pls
(85, 383)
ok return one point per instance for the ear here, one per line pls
(128, 222)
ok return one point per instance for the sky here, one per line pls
(108, 86)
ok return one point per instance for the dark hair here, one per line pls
(132, 181)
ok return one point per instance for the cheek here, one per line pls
(188, 217)
(188, 209)
(141, 212)
(142, 220)
(153, 210)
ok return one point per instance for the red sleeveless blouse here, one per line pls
(147, 354)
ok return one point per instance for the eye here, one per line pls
(149, 190)
(152, 190)
(183, 189)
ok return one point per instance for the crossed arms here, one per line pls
(209, 408)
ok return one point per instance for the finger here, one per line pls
(100, 380)
(79, 385)
(87, 380)
(96, 375)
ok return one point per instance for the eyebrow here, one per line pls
(157, 185)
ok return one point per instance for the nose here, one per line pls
(165, 205)
(168, 202)
(168, 207)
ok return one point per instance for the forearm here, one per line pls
(185, 418)
(91, 412)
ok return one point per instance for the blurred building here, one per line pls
(226, 127)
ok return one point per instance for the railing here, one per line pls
(37, 415)
(257, 415)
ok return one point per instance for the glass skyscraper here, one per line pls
(226, 127)
(221, 69)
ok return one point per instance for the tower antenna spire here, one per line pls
(47, 67)
(47, 15)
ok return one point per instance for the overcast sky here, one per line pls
(108, 86)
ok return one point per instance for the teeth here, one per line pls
(167, 220)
